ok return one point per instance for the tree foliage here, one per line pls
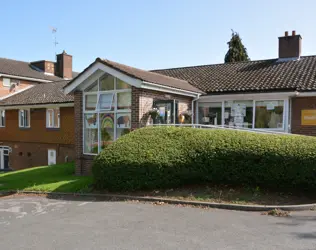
(236, 50)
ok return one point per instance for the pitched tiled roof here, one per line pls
(253, 76)
(44, 93)
(148, 76)
(24, 69)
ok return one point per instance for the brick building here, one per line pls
(111, 99)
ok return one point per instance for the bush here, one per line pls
(164, 157)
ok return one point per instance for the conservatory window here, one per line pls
(269, 114)
(107, 113)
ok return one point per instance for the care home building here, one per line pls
(111, 99)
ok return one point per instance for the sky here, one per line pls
(151, 34)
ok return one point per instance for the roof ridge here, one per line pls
(14, 60)
(110, 61)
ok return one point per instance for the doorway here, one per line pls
(4, 157)
(168, 111)
(51, 157)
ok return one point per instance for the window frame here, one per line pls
(5, 79)
(98, 111)
(20, 118)
(2, 115)
(285, 116)
(53, 110)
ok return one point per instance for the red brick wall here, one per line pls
(38, 132)
(142, 101)
(299, 104)
(30, 145)
(4, 91)
(28, 154)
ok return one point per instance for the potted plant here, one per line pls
(186, 117)
(153, 113)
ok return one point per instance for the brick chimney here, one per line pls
(290, 46)
(63, 65)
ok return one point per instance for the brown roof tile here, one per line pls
(44, 93)
(24, 69)
(253, 76)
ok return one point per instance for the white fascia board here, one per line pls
(17, 92)
(106, 69)
(39, 106)
(24, 78)
(167, 89)
(303, 94)
(247, 96)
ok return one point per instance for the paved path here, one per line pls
(41, 223)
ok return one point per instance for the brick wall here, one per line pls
(299, 104)
(4, 91)
(83, 162)
(38, 133)
(28, 154)
(142, 101)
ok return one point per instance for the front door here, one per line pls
(4, 157)
(167, 111)
(51, 156)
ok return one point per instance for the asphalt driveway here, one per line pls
(41, 223)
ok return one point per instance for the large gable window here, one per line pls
(24, 118)
(107, 112)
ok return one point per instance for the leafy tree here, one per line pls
(236, 50)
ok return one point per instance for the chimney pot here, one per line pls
(290, 46)
(286, 33)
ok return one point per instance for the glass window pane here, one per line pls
(269, 114)
(106, 129)
(122, 85)
(106, 102)
(123, 124)
(238, 114)
(124, 100)
(90, 142)
(91, 102)
(93, 87)
(56, 118)
(49, 118)
(106, 82)
(26, 118)
(210, 113)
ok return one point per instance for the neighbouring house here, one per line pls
(38, 128)
(16, 76)
(111, 99)
(24, 88)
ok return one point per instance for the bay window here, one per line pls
(107, 113)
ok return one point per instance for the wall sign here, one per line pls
(308, 117)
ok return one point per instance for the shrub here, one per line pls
(164, 157)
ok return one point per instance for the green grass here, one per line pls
(57, 178)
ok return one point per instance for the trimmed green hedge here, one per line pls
(163, 157)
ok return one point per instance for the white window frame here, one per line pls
(2, 115)
(51, 124)
(6, 82)
(22, 121)
(285, 126)
(97, 111)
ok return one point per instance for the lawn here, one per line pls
(57, 178)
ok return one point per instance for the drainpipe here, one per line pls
(192, 105)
